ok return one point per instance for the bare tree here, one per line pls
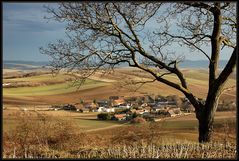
(103, 35)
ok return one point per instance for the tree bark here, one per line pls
(205, 130)
(205, 116)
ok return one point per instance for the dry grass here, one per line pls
(48, 137)
(140, 151)
(177, 151)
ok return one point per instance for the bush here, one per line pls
(39, 135)
(226, 106)
(148, 118)
(120, 111)
(138, 120)
(104, 116)
(134, 115)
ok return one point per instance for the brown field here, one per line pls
(116, 80)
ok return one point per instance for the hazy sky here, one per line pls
(25, 30)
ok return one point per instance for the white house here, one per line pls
(128, 106)
(101, 109)
(109, 110)
(144, 105)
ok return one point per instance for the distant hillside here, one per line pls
(200, 64)
(191, 64)
(25, 65)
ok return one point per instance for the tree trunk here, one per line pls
(205, 119)
(205, 130)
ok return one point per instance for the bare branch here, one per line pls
(186, 39)
(228, 69)
(200, 5)
(143, 83)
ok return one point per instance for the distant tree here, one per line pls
(148, 99)
(81, 101)
(157, 97)
(227, 106)
(103, 35)
(134, 115)
(120, 111)
(139, 100)
(104, 116)
(135, 107)
(94, 101)
(178, 101)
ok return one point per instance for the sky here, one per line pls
(25, 30)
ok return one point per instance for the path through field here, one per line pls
(109, 127)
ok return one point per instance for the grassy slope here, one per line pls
(89, 121)
(39, 78)
(49, 89)
(197, 81)
(172, 129)
(190, 124)
(80, 120)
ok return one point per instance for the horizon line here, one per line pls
(49, 60)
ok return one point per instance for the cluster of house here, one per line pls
(141, 105)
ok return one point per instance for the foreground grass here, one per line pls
(179, 150)
(47, 136)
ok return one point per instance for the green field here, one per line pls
(82, 124)
(60, 84)
(191, 124)
(88, 121)
(40, 78)
(10, 119)
(50, 89)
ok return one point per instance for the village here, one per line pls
(120, 108)
(134, 109)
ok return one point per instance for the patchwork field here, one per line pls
(60, 88)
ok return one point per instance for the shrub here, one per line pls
(38, 135)
(226, 106)
(104, 116)
(134, 115)
(138, 120)
(120, 111)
